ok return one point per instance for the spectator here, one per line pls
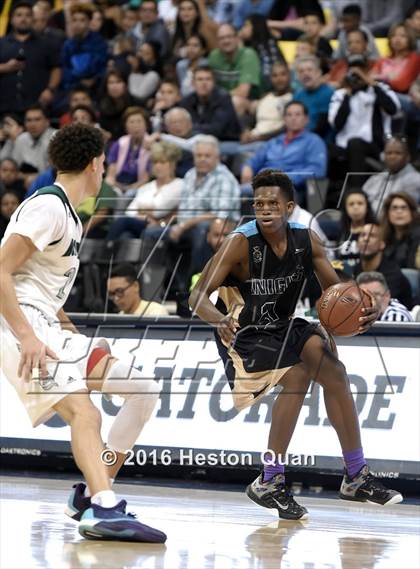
(402, 67)
(192, 19)
(128, 23)
(372, 258)
(351, 19)
(123, 55)
(128, 159)
(245, 9)
(144, 79)
(413, 22)
(305, 46)
(10, 178)
(196, 48)
(29, 65)
(357, 42)
(209, 190)
(124, 291)
(9, 201)
(305, 218)
(84, 55)
(380, 16)
(178, 126)
(237, 69)
(78, 96)
(113, 103)
(11, 128)
(211, 108)
(398, 176)
(150, 28)
(390, 309)
(40, 25)
(156, 202)
(299, 153)
(361, 115)
(103, 22)
(168, 10)
(270, 109)
(315, 94)
(31, 147)
(313, 23)
(287, 18)
(356, 212)
(221, 11)
(400, 223)
(256, 35)
(167, 97)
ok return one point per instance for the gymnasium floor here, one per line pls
(206, 529)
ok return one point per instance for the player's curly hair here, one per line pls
(274, 178)
(74, 146)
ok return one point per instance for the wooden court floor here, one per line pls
(206, 529)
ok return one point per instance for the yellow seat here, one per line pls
(383, 47)
(288, 49)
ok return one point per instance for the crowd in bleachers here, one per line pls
(195, 97)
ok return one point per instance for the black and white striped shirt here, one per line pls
(396, 312)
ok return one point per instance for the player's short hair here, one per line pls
(274, 178)
(125, 270)
(204, 68)
(74, 146)
(372, 277)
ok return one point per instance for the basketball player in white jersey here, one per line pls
(53, 367)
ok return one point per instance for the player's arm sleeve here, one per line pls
(42, 219)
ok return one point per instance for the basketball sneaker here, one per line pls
(275, 495)
(77, 502)
(114, 524)
(364, 487)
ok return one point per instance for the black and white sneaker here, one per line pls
(364, 487)
(275, 495)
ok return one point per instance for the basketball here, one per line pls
(340, 308)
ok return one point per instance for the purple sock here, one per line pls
(354, 461)
(271, 470)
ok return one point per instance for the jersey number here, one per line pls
(69, 274)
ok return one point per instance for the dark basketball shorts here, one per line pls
(260, 357)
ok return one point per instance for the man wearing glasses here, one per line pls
(124, 291)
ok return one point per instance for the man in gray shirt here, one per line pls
(399, 175)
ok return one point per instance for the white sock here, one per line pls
(105, 498)
(87, 493)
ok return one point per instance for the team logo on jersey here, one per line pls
(257, 254)
(47, 383)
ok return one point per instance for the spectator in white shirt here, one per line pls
(155, 202)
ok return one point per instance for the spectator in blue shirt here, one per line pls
(84, 55)
(246, 8)
(314, 94)
(301, 154)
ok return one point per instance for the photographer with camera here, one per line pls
(360, 113)
(29, 65)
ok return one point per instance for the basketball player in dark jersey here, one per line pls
(260, 271)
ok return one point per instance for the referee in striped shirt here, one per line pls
(390, 309)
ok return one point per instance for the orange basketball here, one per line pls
(340, 308)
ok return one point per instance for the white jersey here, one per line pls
(50, 222)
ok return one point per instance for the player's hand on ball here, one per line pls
(33, 356)
(226, 328)
(370, 315)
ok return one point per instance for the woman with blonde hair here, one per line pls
(156, 202)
